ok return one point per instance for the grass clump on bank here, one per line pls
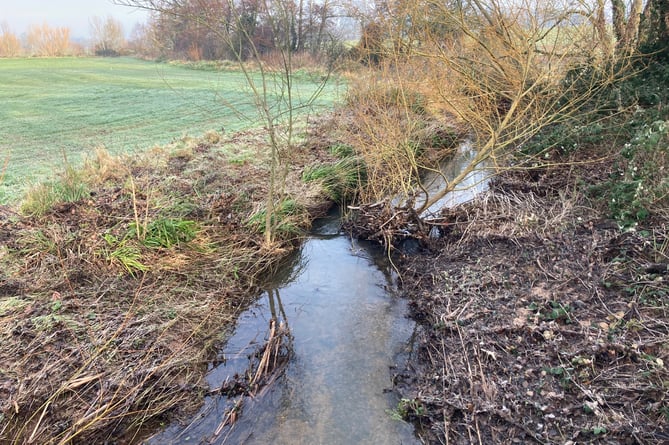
(340, 180)
(114, 300)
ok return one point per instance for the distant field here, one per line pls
(56, 107)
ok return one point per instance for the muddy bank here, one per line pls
(540, 321)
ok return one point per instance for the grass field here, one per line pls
(63, 108)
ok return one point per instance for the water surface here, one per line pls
(349, 330)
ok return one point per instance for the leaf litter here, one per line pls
(539, 320)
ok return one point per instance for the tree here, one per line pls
(143, 40)
(654, 27)
(192, 29)
(46, 41)
(10, 46)
(626, 24)
(494, 69)
(107, 36)
(249, 29)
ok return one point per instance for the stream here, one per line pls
(349, 330)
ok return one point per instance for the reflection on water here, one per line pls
(348, 330)
(474, 183)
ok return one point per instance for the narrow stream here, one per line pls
(473, 184)
(349, 331)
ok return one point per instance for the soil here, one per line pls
(539, 320)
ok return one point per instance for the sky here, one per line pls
(74, 14)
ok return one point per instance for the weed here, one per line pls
(126, 255)
(664, 411)
(43, 197)
(555, 311)
(559, 312)
(407, 409)
(599, 430)
(164, 232)
(12, 304)
(562, 373)
(47, 322)
(341, 150)
(56, 306)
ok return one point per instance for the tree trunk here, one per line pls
(599, 24)
(626, 25)
(654, 28)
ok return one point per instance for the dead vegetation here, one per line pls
(112, 306)
(540, 320)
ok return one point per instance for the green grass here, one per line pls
(57, 108)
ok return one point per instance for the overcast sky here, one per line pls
(75, 14)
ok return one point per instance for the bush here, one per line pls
(107, 52)
(639, 185)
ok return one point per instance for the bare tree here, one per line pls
(44, 40)
(143, 40)
(495, 69)
(107, 35)
(10, 45)
(626, 24)
(249, 29)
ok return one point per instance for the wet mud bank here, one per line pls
(539, 321)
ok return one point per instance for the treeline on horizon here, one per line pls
(240, 29)
(197, 30)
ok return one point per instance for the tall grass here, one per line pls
(63, 108)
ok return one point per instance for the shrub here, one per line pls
(639, 185)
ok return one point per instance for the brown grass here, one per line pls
(94, 351)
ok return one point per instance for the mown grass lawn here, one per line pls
(53, 109)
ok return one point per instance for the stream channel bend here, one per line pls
(349, 330)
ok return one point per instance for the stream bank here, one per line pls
(539, 320)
